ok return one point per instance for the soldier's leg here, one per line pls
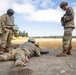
(9, 38)
(19, 68)
(66, 42)
(6, 56)
(4, 41)
(20, 58)
(70, 41)
(9, 56)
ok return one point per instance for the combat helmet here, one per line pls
(31, 39)
(63, 3)
(10, 11)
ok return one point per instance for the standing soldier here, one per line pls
(68, 23)
(7, 23)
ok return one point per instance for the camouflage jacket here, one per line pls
(32, 48)
(68, 19)
(4, 22)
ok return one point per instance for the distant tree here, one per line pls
(23, 34)
(16, 32)
(19, 33)
(26, 34)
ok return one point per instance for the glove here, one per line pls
(62, 21)
(62, 18)
(14, 29)
(5, 29)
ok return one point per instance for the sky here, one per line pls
(38, 17)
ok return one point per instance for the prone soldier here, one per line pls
(21, 54)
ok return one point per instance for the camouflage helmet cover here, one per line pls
(10, 11)
(31, 39)
(63, 3)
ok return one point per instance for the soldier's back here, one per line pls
(28, 45)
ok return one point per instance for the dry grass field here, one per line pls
(46, 42)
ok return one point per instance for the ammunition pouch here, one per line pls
(11, 27)
(32, 54)
(62, 21)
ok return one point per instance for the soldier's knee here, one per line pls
(65, 38)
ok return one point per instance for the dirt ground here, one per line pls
(47, 64)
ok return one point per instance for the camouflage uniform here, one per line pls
(7, 23)
(68, 20)
(68, 23)
(22, 54)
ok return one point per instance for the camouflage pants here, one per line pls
(6, 38)
(67, 38)
(18, 55)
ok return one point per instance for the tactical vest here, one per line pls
(28, 46)
(68, 14)
(9, 20)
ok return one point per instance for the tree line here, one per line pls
(52, 37)
(19, 33)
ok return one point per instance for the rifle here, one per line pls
(41, 51)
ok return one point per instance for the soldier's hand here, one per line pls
(5, 29)
(14, 32)
(62, 18)
(37, 45)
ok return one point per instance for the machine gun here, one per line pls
(41, 51)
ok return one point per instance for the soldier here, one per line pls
(7, 24)
(21, 54)
(68, 23)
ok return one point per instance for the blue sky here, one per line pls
(37, 17)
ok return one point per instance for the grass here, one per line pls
(46, 42)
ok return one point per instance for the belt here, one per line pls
(9, 26)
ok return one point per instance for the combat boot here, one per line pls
(63, 54)
(1, 50)
(69, 51)
(20, 64)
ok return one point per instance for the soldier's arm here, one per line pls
(3, 21)
(37, 50)
(70, 15)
